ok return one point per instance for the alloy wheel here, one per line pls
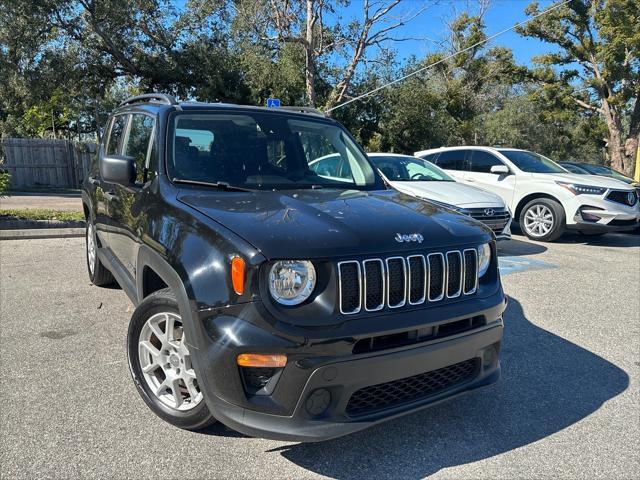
(166, 363)
(538, 220)
(91, 247)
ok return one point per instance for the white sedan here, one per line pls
(420, 178)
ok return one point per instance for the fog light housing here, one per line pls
(260, 380)
(490, 355)
(588, 217)
(318, 401)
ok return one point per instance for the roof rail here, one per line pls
(311, 110)
(151, 97)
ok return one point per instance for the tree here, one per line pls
(596, 66)
(532, 119)
(278, 24)
(78, 52)
(441, 106)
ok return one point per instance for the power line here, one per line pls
(488, 39)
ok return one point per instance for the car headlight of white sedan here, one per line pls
(582, 189)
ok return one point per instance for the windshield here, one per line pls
(575, 168)
(606, 171)
(532, 162)
(409, 169)
(264, 151)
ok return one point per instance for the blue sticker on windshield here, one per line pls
(273, 102)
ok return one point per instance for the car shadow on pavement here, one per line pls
(520, 248)
(547, 384)
(614, 240)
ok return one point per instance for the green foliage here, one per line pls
(40, 214)
(66, 64)
(5, 182)
(596, 66)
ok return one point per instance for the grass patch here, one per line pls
(42, 189)
(39, 214)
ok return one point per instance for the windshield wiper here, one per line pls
(219, 185)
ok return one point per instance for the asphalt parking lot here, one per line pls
(568, 403)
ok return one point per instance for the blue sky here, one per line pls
(432, 23)
(502, 14)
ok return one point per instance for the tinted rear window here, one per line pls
(451, 160)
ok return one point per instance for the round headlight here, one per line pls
(292, 281)
(484, 258)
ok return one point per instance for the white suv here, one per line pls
(544, 197)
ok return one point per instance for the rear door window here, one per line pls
(451, 160)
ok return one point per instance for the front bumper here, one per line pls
(590, 213)
(596, 220)
(342, 379)
(318, 363)
(506, 233)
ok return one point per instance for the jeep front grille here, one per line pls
(393, 282)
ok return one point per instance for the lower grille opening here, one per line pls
(406, 390)
(622, 223)
(411, 337)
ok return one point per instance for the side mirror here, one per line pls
(500, 169)
(118, 169)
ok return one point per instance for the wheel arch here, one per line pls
(151, 282)
(532, 196)
(197, 337)
(160, 273)
(87, 206)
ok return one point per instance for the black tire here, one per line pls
(98, 273)
(161, 302)
(558, 220)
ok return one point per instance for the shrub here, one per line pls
(5, 180)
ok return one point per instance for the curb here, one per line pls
(31, 233)
(40, 224)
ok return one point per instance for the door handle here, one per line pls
(471, 179)
(110, 196)
(93, 181)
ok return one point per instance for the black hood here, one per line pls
(333, 223)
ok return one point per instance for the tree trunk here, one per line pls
(621, 151)
(310, 66)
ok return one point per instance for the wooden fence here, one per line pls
(48, 163)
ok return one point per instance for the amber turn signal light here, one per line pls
(237, 275)
(262, 360)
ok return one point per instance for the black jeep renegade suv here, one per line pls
(285, 300)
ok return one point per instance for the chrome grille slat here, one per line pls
(389, 284)
(422, 298)
(366, 293)
(342, 286)
(454, 269)
(474, 253)
(432, 284)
